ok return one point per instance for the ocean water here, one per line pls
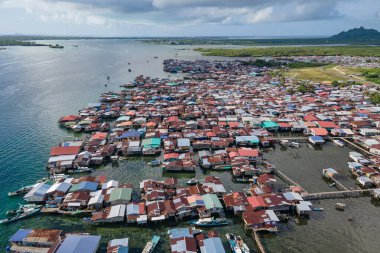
(38, 85)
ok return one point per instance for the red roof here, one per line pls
(319, 131)
(327, 124)
(256, 201)
(248, 152)
(69, 118)
(171, 156)
(310, 117)
(99, 136)
(72, 150)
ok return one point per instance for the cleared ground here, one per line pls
(319, 74)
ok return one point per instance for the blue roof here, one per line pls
(79, 244)
(88, 186)
(316, 138)
(130, 134)
(213, 245)
(20, 235)
(179, 232)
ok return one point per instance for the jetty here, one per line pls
(338, 194)
(287, 180)
(258, 242)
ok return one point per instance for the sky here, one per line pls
(170, 18)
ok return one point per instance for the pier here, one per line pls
(287, 180)
(258, 242)
(338, 194)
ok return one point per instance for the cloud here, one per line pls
(179, 12)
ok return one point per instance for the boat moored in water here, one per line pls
(210, 222)
(151, 245)
(20, 191)
(237, 244)
(155, 163)
(26, 213)
(339, 143)
(192, 181)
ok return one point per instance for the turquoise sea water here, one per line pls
(39, 85)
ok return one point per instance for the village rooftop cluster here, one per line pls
(219, 117)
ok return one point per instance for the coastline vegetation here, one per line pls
(293, 51)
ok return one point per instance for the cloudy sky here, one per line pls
(187, 17)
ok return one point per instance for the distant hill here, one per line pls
(357, 35)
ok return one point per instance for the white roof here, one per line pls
(272, 215)
(118, 242)
(61, 158)
(109, 184)
(117, 211)
(62, 187)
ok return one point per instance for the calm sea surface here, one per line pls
(38, 85)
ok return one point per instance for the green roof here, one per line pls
(151, 142)
(121, 194)
(211, 201)
(269, 124)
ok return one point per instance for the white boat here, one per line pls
(338, 143)
(114, 158)
(80, 170)
(294, 144)
(284, 143)
(56, 177)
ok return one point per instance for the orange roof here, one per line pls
(248, 152)
(327, 124)
(72, 150)
(69, 118)
(151, 124)
(99, 136)
(256, 201)
(319, 131)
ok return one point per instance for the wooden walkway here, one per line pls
(338, 194)
(285, 178)
(259, 245)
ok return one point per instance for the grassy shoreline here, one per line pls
(293, 51)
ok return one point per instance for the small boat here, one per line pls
(80, 170)
(57, 177)
(26, 213)
(294, 144)
(129, 70)
(237, 244)
(114, 158)
(151, 245)
(339, 143)
(332, 184)
(192, 181)
(318, 209)
(155, 57)
(20, 191)
(210, 222)
(21, 209)
(155, 163)
(284, 143)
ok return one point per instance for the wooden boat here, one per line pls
(20, 191)
(192, 181)
(210, 222)
(27, 212)
(339, 143)
(237, 244)
(151, 245)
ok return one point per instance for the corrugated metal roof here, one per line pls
(79, 244)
